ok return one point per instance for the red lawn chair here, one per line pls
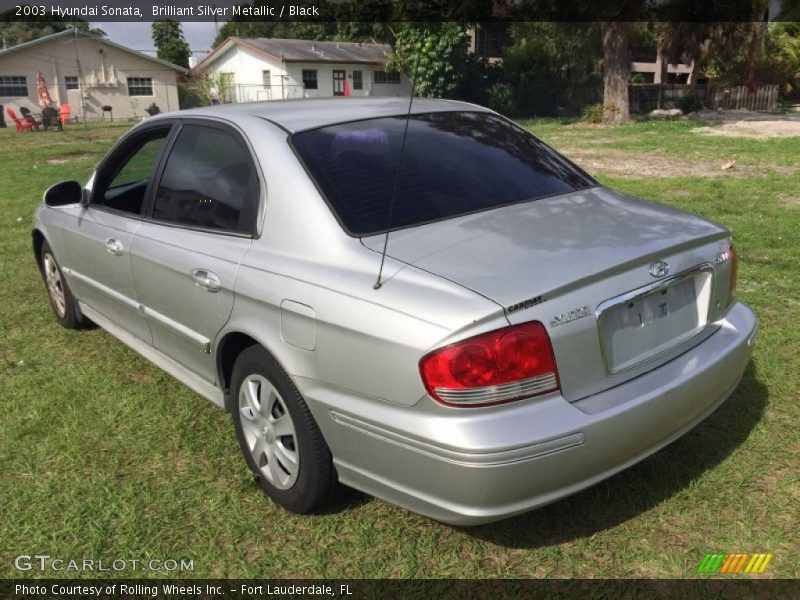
(20, 125)
(64, 114)
(28, 116)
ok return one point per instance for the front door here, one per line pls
(338, 82)
(99, 245)
(187, 251)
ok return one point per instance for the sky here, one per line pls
(138, 36)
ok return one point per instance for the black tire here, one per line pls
(69, 315)
(314, 482)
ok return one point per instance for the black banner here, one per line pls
(397, 10)
(210, 589)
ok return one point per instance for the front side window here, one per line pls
(140, 86)
(310, 79)
(123, 184)
(209, 182)
(71, 82)
(454, 163)
(13, 86)
(358, 80)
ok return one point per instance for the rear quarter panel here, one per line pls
(363, 340)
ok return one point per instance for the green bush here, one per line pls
(593, 114)
(552, 68)
(689, 104)
(189, 96)
(501, 98)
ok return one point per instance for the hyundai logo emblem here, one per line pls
(659, 268)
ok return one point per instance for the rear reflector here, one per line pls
(734, 258)
(500, 366)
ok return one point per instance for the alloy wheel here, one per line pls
(55, 286)
(269, 432)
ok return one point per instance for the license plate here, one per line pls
(640, 326)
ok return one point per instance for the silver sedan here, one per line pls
(431, 306)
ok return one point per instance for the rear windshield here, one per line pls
(454, 163)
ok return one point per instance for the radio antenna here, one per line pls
(378, 282)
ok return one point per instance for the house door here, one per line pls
(338, 83)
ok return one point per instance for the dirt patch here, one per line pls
(64, 160)
(743, 123)
(652, 164)
(793, 202)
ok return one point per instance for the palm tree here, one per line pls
(617, 70)
(688, 43)
(693, 42)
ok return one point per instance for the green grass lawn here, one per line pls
(105, 456)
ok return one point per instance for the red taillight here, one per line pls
(734, 258)
(500, 366)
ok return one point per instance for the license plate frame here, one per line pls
(618, 318)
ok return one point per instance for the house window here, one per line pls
(266, 78)
(384, 77)
(71, 81)
(140, 86)
(310, 79)
(490, 38)
(13, 85)
(358, 80)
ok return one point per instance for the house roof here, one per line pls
(307, 51)
(84, 34)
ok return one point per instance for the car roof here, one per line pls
(301, 115)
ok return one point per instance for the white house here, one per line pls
(87, 72)
(273, 69)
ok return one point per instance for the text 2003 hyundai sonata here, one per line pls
(533, 332)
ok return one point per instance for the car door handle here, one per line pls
(113, 246)
(206, 280)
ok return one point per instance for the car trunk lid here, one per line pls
(560, 259)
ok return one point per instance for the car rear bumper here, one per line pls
(470, 466)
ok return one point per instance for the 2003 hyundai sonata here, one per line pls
(425, 303)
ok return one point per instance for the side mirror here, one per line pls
(64, 193)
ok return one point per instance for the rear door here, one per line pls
(200, 223)
(98, 246)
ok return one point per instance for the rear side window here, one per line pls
(209, 182)
(454, 163)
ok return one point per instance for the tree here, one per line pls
(321, 29)
(759, 53)
(434, 57)
(711, 33)
(617, 71)
(206, 88)
(170, 44)
(550, 68)
(364, 21)
(445, 11)
(726, 51)
(19, 32)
